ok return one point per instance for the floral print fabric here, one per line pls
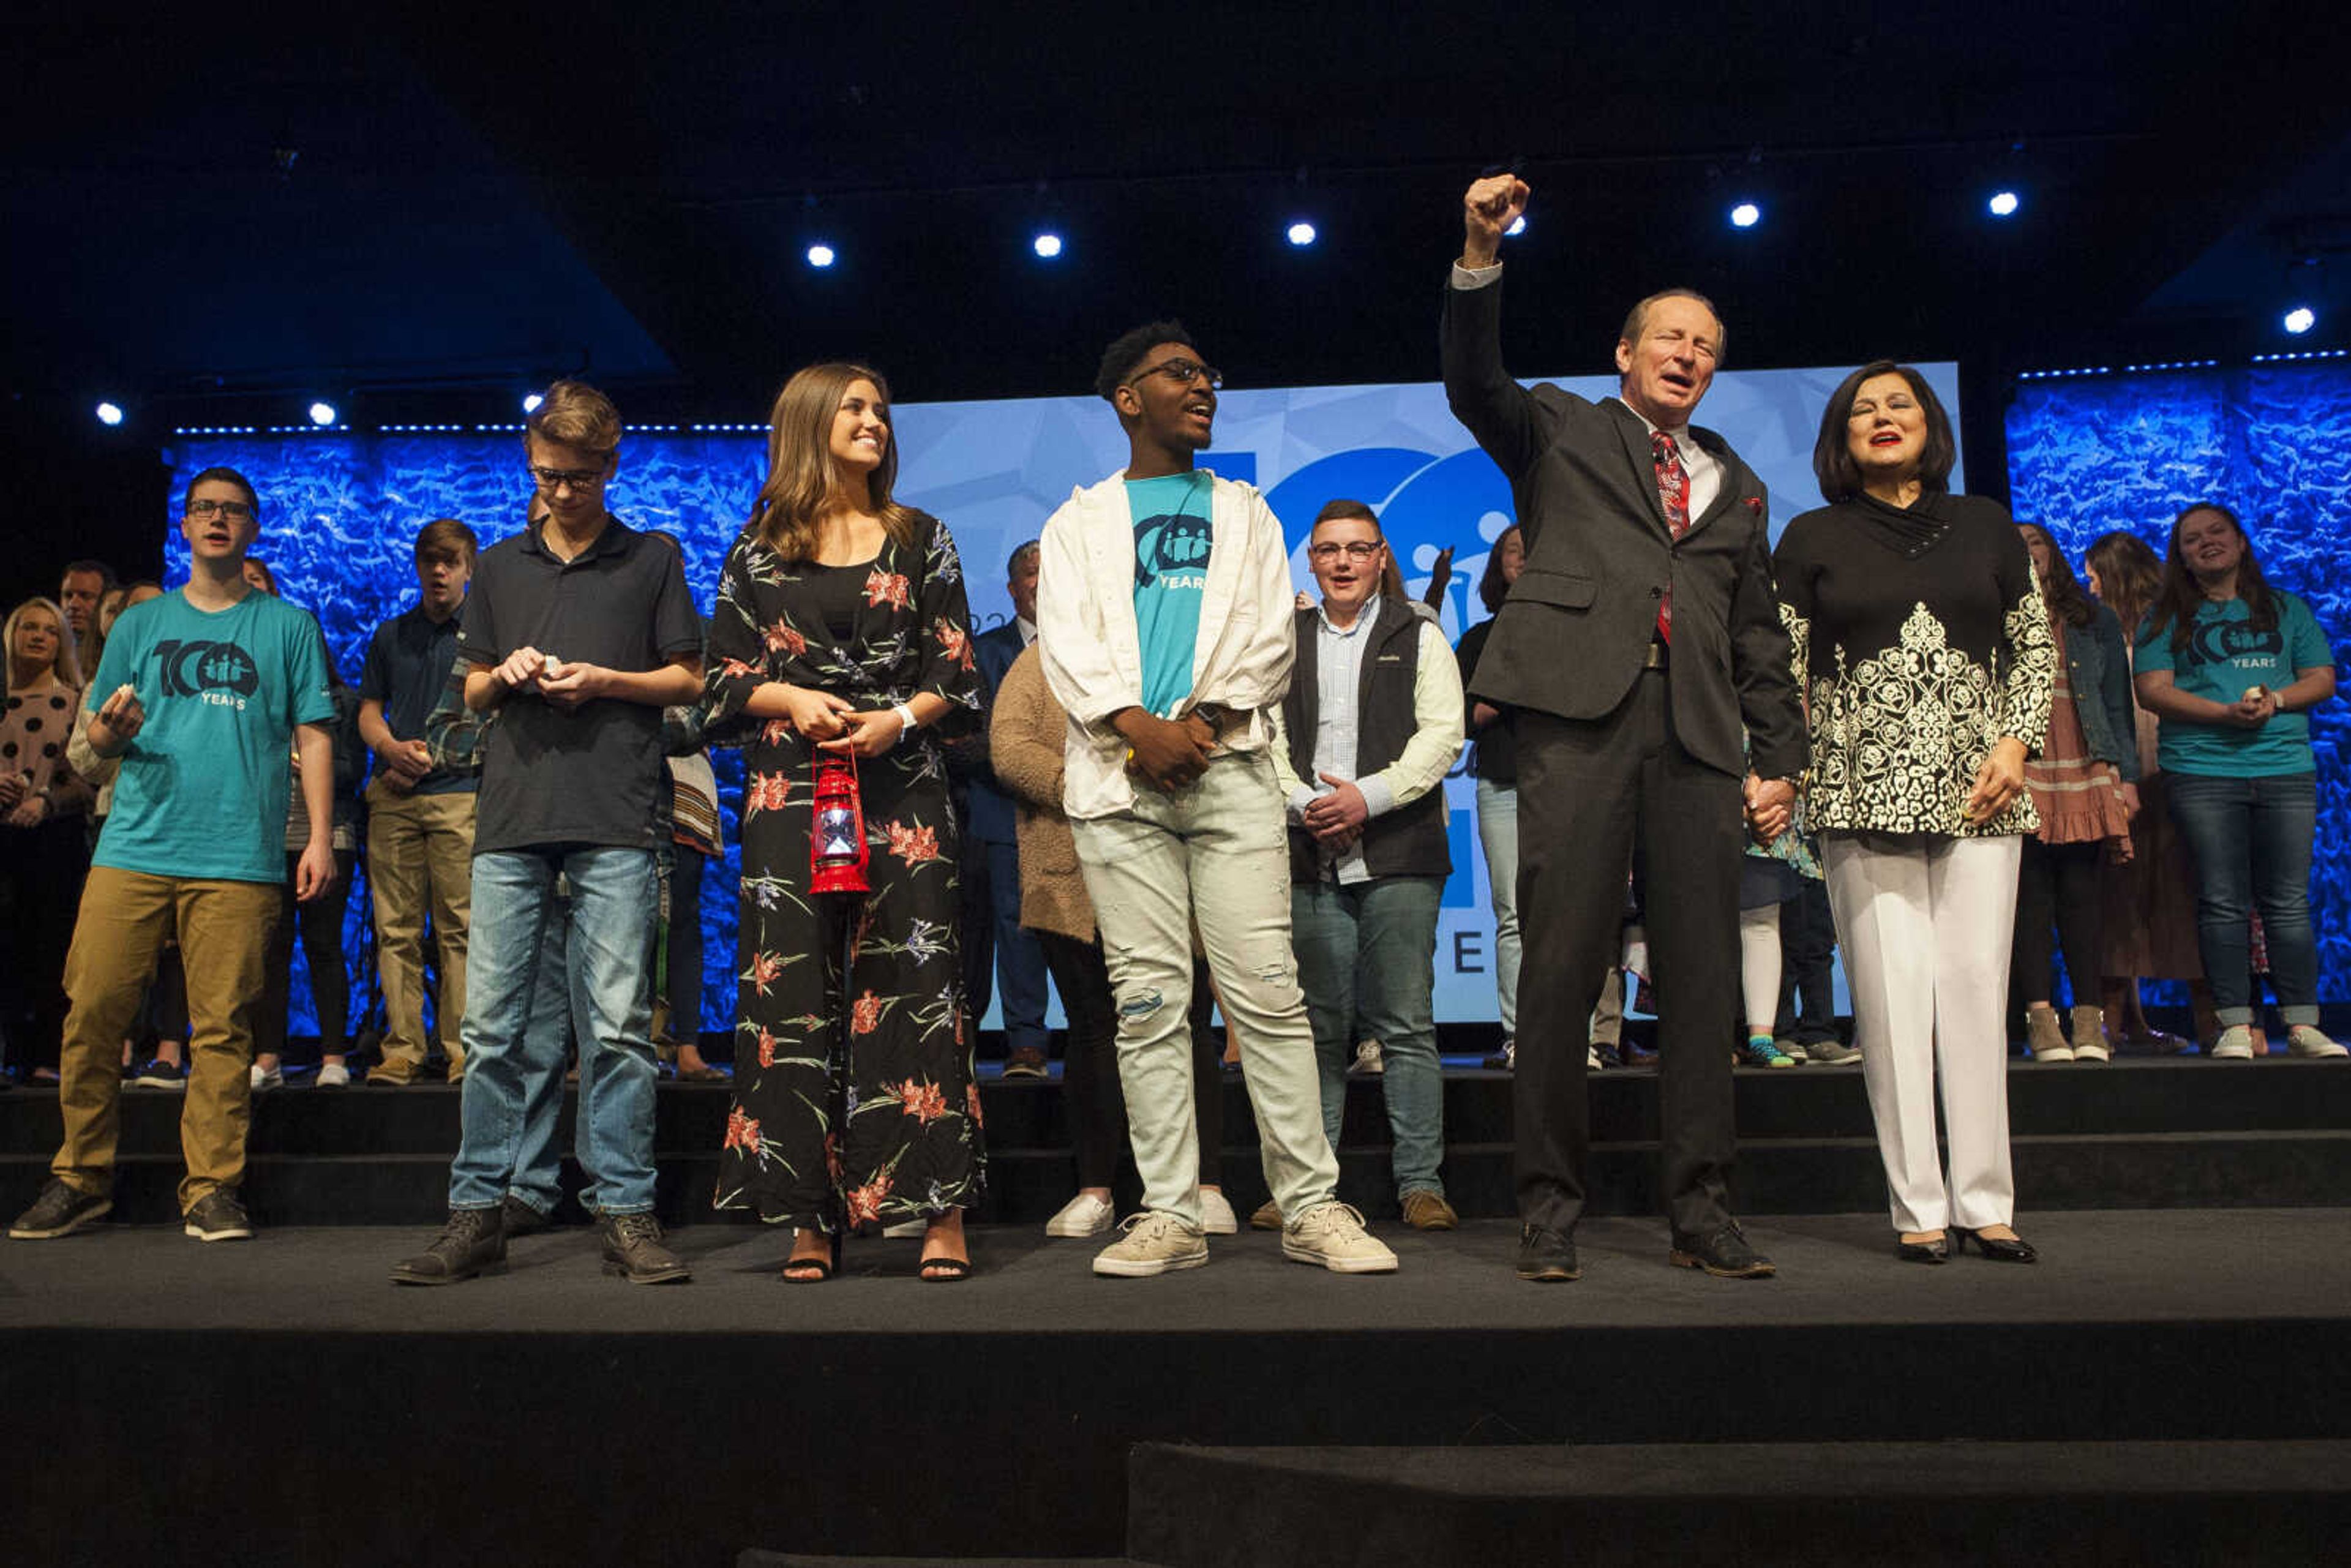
(854, 1100)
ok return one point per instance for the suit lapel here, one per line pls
(1725, 494)
(1635, 436)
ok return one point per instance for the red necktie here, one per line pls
(1673, 490)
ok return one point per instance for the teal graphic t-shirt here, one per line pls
(204, 785)
(2225, 658)
(1171, 578)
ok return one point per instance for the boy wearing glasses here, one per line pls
(578, 631)
(199, 694)
(1362, 744)
(1164, 625)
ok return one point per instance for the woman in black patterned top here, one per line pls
(842, 628)
(1923, 651)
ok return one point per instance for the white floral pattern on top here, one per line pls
(1898, 738)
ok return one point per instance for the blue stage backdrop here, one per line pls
(2273, 443)
(340, 511)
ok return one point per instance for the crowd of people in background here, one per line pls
(1703, 765)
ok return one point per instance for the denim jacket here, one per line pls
(2097, 668)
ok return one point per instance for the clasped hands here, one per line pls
(567, 686)
(836, 724)
(1768, 806)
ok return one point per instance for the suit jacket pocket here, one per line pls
(1541, 585)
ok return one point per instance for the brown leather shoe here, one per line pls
(1426, 1210)
(1267, 1217)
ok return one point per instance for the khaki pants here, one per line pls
(224, 929)
(420, 860)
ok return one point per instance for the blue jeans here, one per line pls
(514, 1071)
(1368, 950)
(1498, 833)
(2251, 839)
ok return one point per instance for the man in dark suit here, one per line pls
(1642, 631)
(991, 870)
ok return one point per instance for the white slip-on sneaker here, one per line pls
(332, 1075)
(2308, 1039)
(1084, 1215)
(2235, 1044)
(1155, 1243)
(1332, 1234)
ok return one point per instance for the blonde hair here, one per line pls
(65, 667)
(573, 413)
(806, 482)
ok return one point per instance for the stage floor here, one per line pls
(2142, 1267)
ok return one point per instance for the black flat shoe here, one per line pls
(1725, 1254)
(1546, 1257)
(1938, 1251)
(2008, 1250)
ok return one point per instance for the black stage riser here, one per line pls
(281, 1446)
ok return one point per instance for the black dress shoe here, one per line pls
(1546, 1256)
(1999, 1250)
(1724, 1254)
(1938, 1251)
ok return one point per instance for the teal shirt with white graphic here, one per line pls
(1171, 578)
(2225, 658)
(204, 784)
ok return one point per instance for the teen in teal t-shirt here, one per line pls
(204, 784)
(2225, 658)
(1171, 578)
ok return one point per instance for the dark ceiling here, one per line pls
(389, 206)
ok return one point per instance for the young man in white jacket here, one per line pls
(1164, 624)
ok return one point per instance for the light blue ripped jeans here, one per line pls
(1218, 853)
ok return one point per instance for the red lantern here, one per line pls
(837, 837)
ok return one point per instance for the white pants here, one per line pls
(1926, 935)
(1217, 853)
(1759, 968)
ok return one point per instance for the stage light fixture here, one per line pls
(109, 413)
(1746, 215)
(819, 255)
(1047, 246)
(2300, 319)
(322, 412)
(1518, 226)
(1301, 234)
(2003, 203)
(530, 401)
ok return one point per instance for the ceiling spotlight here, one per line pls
(1301, 234)
(2300, 319)
(2003, 203)
(109, 413)
(1518, 226)
(1746, 215)
(1047, 246)
(819, 255)
(530, 401)
(322, 412)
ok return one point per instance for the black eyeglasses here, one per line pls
(234, 511)
(1328, 551)
(1184, 373)
(553, 479)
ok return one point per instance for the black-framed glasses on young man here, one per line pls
(553, 479)
(1183, 372)
(234, 511)
(1357, 550)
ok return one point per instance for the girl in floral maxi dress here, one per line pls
(841, 629)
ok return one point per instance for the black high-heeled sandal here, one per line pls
(1999, 1249)
(943, 1269)
(1938, 1251)
(824, 1267)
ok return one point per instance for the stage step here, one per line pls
(1741, 1503)
(2153, 1134)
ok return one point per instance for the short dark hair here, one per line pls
(447, 536)
(1012, 562)
(1492, 586)
(105, 573)
(1637, 318)
(1343, 507)
(1833, 463)
(226, 475)
(1118, 361)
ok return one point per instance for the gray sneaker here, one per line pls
(1332, 1234)
(633, 1249)
(2308, 1039)
(1155, 1243)
(1830, 1052)
(60, 1210)
(219, 1216)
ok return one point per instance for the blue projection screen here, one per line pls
(340, 512)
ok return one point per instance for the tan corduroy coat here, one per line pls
(1026, 740)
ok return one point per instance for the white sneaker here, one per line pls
(1367, 1059)
(267, 1078)
(1084, 1215)
(334, 1075)
(1332, 1234)
(2306, 1039)
(2235, 1044)
(1216, 1215)
(1155, 1243)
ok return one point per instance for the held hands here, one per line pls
(117, 721)
(1999, 782)
(1169, 753)
(1770, 805)
(1336, 818)
(868, 732)
(1491, 206)
(819, 716)
(12, 788)
(314, 873)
